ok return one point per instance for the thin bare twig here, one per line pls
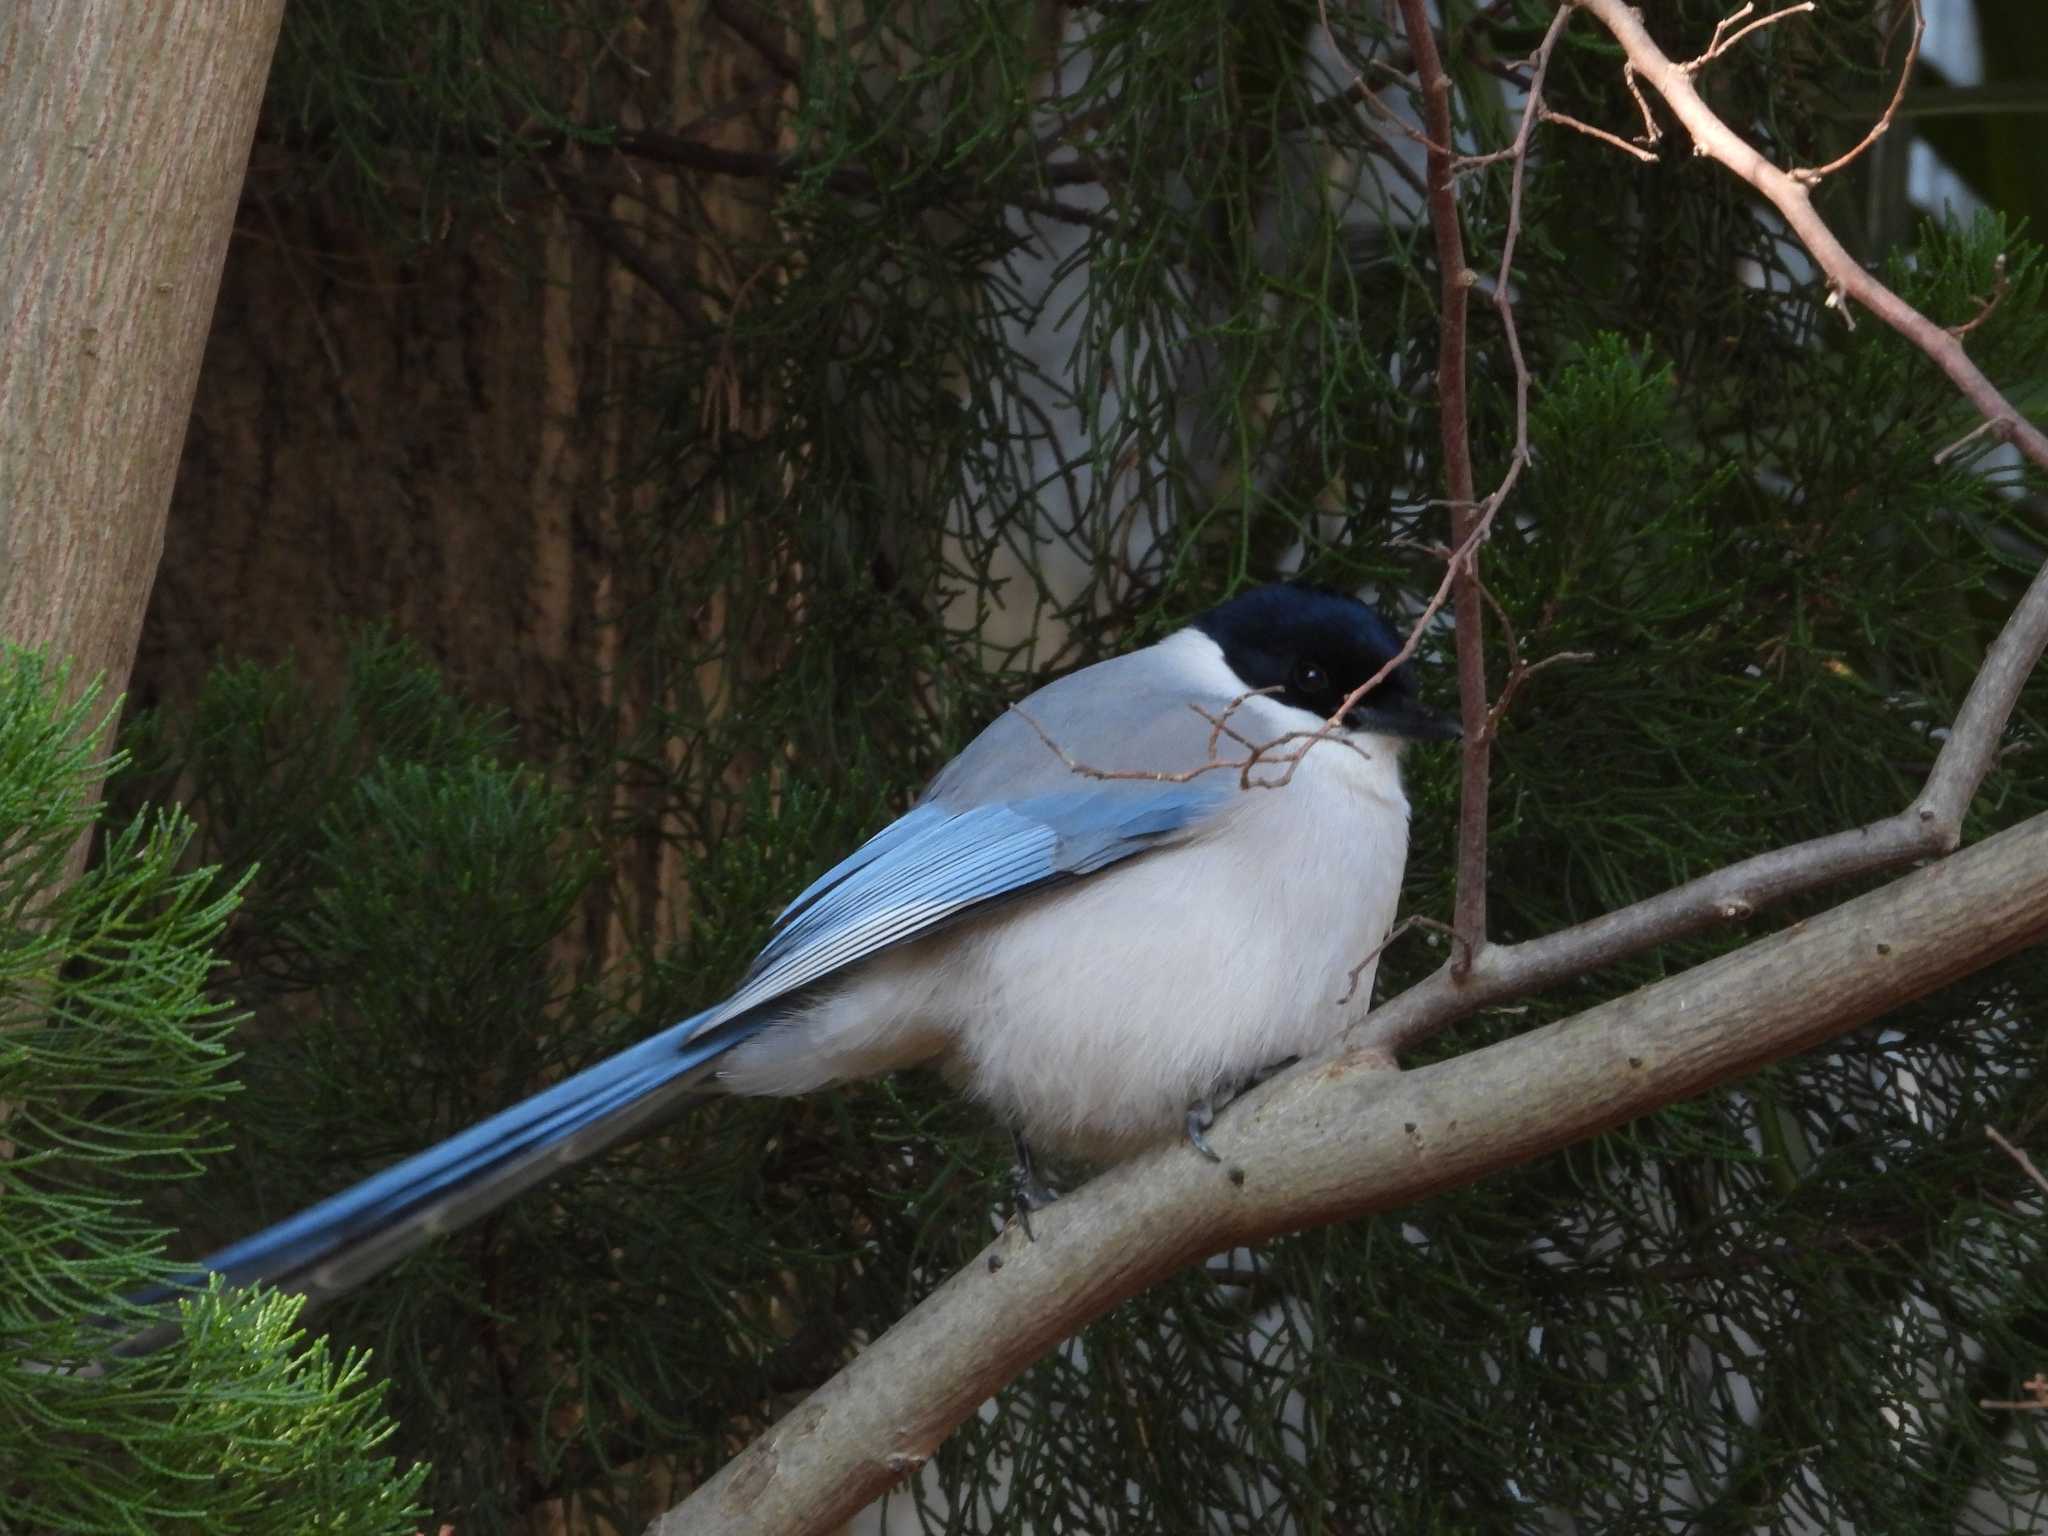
(1413, 920)
(1879, 128)
(1455, 561)
(1647, 156)
(2026, 1163)
(2001, 285)
(1943, 455)
(1503, 282)
(1532, 107)
(1651, 132)
(1455, 282)
(1519, 671)
(1471, 520)
(1258, 754)
(1724, 39)
(1517, 679)
(1463, 562)
(1220, 725)
(2036, 1401)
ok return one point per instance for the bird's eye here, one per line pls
(1310, 678)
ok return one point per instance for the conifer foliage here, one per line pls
(114, 1061)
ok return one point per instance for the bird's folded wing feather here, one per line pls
(938, 864)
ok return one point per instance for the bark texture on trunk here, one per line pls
(124, 131)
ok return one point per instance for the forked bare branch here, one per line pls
(1790, 193)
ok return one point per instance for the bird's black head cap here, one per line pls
(1310, 646)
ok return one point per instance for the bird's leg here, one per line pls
(1202, 1113)
(1030, 1192)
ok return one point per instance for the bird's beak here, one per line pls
(1409, 721)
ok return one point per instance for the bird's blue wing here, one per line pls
(934, 865)
(939, 863)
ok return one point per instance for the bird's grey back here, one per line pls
(1132, 717)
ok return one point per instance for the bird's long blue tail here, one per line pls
(332, 1247)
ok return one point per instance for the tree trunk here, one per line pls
(124, 131)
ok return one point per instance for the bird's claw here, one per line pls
(1028, 1192)
(1202, 1115)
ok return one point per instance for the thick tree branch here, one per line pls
(1337, 1139)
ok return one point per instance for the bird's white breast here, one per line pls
(1092, 1020)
